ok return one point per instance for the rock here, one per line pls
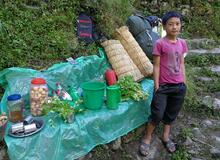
(200, 43)
(188, 141)
(217, 95)
(89, 155)
(2, 153)
(215, 51)
(206, 123)
(216, 141)
(193, 151)
(216, 104)
(207, 100)
(196, 158)
(215, 69)
(197, 51)
(105, 146)
(197, 133)
(215, 153)
(205, 79)
(116, 144)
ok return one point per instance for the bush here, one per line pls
(37, 34)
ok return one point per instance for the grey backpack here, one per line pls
(141, 28)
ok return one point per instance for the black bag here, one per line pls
(86, 29)
(141, 28)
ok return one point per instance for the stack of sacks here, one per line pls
(134, 51)
(120, 60)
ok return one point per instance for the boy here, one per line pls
(169, 81)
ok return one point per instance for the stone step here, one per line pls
(204, 43)
(214, 51)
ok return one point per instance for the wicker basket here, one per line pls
(120, 60)
(134, 50)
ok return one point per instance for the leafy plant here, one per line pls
(131, 89)
(63, 108)
(180, 154)
(185, 132)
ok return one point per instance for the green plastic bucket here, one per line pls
(113, 96)
(93, 94)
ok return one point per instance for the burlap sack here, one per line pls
(120, 60)
(134, 50)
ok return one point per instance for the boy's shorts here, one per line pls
(167, 102)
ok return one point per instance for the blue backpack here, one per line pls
(85, 29)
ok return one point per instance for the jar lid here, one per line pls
(38, 81)
(14, 97)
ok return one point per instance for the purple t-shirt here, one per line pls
(170, 56)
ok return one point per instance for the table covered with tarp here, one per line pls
(89, 128)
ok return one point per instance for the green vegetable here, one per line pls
(63, 108)
(131, 89)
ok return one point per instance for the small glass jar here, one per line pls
(38, 95)
(15, 107)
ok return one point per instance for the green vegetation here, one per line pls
(39, 33)
(130, 89)
(62, 108)
(201, 17)
(180, 154)
(198, 89)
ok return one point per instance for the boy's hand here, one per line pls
(156, 88)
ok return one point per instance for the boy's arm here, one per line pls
(156, 71)
(183, 69)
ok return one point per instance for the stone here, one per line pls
(196, 158)
(2, 153)
(217, 95)
(216, 141)
(188, 141)
(192, 151)
(197, 133)
(197, 51)
(201, 43)
(215, 69)
(215, 51)
(205, 79)
(116, 144)
(216, 104)
(207, 100)
(206, 123)
(215, 153)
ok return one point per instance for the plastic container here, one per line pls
(38, 95)
(113, 96)
(93, 94)
(15, 107)
(110, 77)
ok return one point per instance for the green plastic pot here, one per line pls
(113, 96)
(93, 94)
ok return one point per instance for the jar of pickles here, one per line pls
(15, 107)
(38, 95)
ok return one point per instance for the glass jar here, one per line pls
(38, 95)
(15, 107)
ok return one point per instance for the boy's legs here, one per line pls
(166, 132)
(150, 128)
(157, 111)
(166, 105)
(174, 104)
(158, 107)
